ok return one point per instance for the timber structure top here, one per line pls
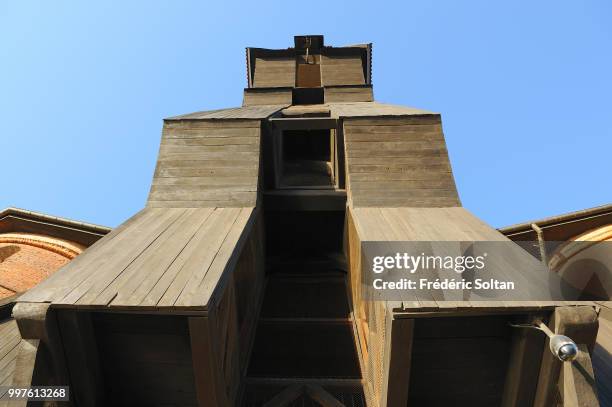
(309, 136)
(241, 281)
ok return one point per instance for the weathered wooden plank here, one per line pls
(235, 114)
(388, 194)
(214, 203)
(141, 276)
(75, 272)
(201, 247)
(213, 141)
(201, 195)
(374, 113)
(167, 150)
(212, 127)
(391, 133)
(202, 134)
(410, 149)
(425, 161)
(407, 142)
(424, 202)
(208, 181)
(385, 187)
(400, 177)
(391, 117)
(130, 245)
(203, 250)
(9, 349)
(226, 258)
(212, 160)
(215, 188)
(217, 172)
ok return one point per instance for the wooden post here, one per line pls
(398, 357)
(523, 367)
(37, 324)
(206, 369)
(579, 389)
(341, 156)
(79, 343)
(580, 324)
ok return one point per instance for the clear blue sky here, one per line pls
(524, 88)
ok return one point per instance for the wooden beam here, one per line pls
(579, 389)
(321, 396)
(581, 325)
(523, 368)
(38, 324)
(285, 397)
(398, 358)
(304, 123)
(26, 362)
(305, 200)
(79, 343)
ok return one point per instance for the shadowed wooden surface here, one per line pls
(602, 357)
(9, 347)
(160, 258)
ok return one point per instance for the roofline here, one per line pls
(566, 217)
(88, 227)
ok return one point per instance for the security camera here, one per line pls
(563, 348)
